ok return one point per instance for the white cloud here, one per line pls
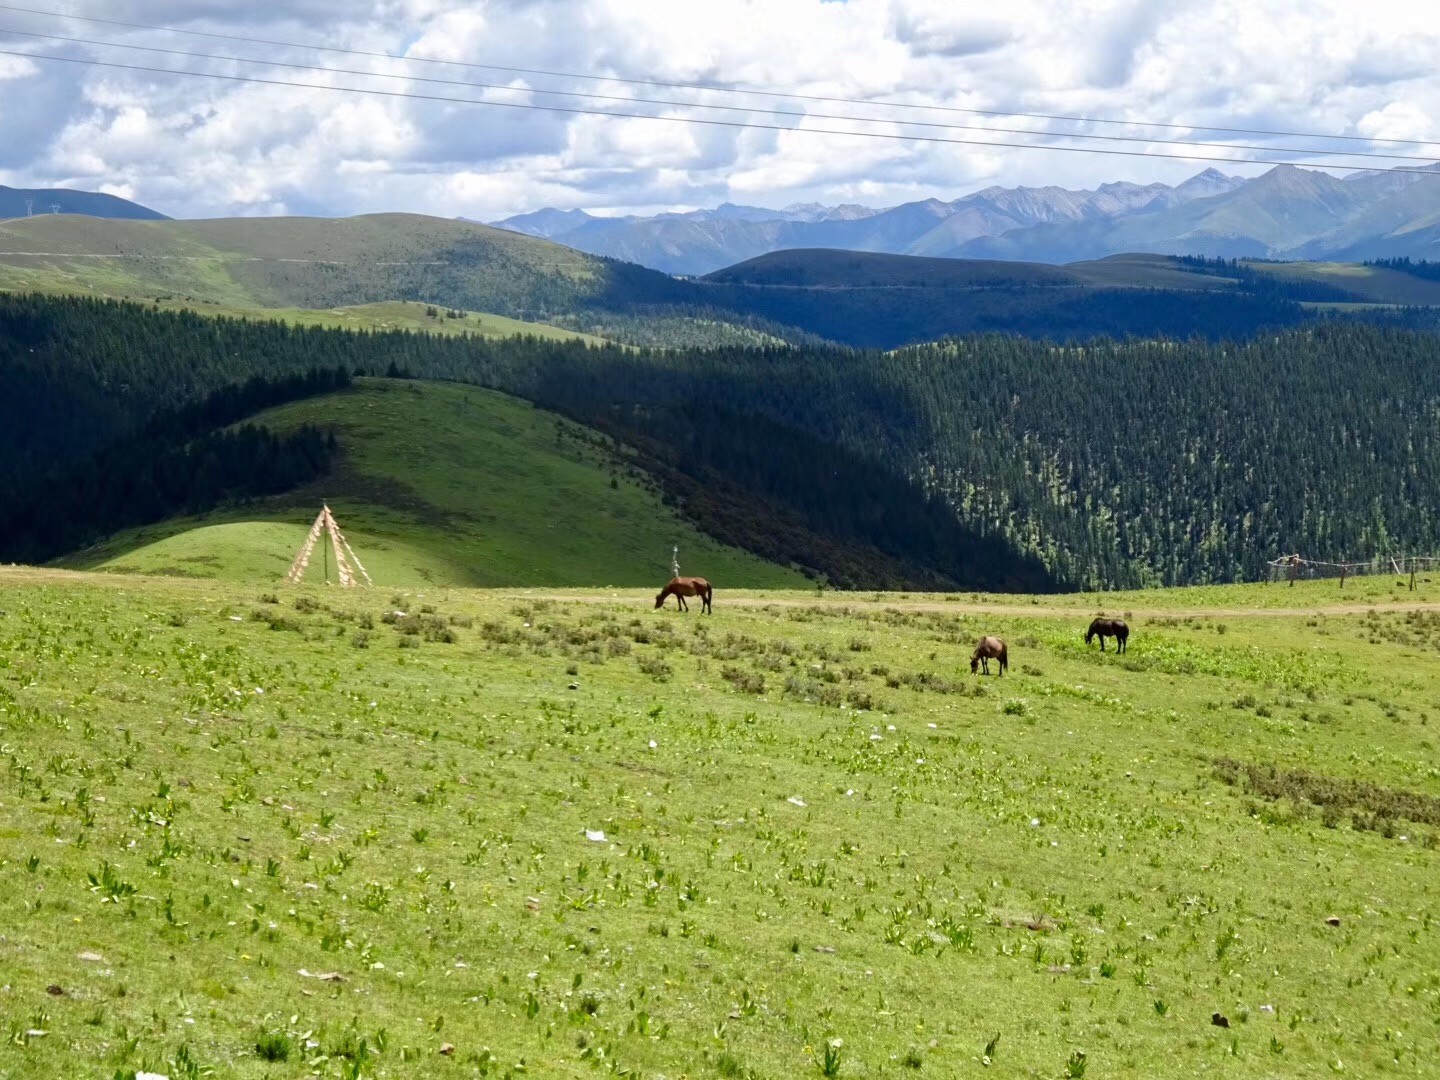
(195, 147)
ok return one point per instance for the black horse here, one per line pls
(1103, 628)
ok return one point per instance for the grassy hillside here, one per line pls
(450, 485)
(794, 838)
(294, 262)
(303, 269)
(829, 269)
(1369, 284)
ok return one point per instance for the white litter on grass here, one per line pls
(795, 800)
(1034, 822)
(932, 727)
(850, 792)
(233, 618)
(598, 835)
(151, 1076)
(875, 736)
(653, 744)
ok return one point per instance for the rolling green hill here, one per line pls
(453, 485)
(297, 262)
(353, 272)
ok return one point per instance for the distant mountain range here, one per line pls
(1286, 213)
(29, 202)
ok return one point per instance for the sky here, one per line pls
(193, 147)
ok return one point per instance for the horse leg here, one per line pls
(680, 600)
(1102, 642)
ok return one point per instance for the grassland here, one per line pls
(454, 485)
(304, 271)
(296, 833)
(279, 262)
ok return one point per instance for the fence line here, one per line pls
(1294, 568)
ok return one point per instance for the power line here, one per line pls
(703, 121)
(717, 88)
(748, 110)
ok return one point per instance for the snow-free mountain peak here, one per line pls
(1284, 212)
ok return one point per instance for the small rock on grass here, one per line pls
(1220, 1020)
(91, 957)
(447, 1049)
(55, 990)
(1333, 920)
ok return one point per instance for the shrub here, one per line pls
(274, 1046)
(748, 682)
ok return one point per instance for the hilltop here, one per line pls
(448, 485)
(25, 202)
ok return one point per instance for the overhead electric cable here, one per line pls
(718, 88)
(749, 110)
(698, 120)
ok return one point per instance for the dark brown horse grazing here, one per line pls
(682, 587)
(990, 648)
(1103, 628)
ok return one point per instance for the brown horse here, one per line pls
(1103, 628)
(990, 648)
(682, 587)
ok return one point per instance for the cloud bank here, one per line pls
(196, 147)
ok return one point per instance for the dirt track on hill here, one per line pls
(1042, 610)
(37, 575)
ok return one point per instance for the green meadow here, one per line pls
(427, 831)
(445, 484)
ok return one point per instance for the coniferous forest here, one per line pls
(980, 462)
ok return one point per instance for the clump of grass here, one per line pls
(275, 620)
(747, 682)
(274, 1046)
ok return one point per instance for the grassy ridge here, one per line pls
(290, 837)
(451, 485)
(284, 262)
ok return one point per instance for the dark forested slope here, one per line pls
(981, 462)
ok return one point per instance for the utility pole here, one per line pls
(29, 207)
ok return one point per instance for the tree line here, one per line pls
(983, 461)
(182, 461)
